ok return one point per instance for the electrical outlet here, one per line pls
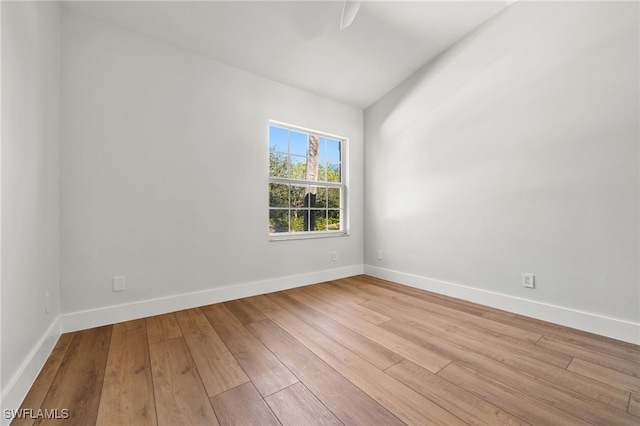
(118, 284)
(528, 280)
(47, 303)
(380, 254)
(334, 256)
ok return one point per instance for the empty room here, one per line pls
(320, 212)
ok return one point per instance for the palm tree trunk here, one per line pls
(312, 175)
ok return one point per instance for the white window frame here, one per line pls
(342, 185)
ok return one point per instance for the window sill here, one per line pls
(306, 235)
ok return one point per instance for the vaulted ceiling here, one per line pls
(300, 44)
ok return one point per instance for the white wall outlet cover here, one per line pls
(528, 280)
(118, 283)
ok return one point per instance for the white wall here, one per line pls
(517, 151)
(30, 191)
(164, 160)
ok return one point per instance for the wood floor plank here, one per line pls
(296, 406)
(38, 392)
(350, 295)
(432, 361)
(162, 327)
(596, 357)
(409, 313)
(127, 392)
(452, 316)
(477, 354)
(457, 304)
(535, 326)
(473, 409)
(405, 403)
(515, 402)
(346, 287)
(335, 299)
(78, 384)
(634, 405)
(348, 403)
(266, 372)
(605, 375)
(243, 405)
(180, 395)
(369, 350)
(573, 403)
(263, 304)
(129, 325)
(606, 345)
(217, 367)
(244, 311)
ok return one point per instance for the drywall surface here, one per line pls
(30, 181)
(164, 160)
(516, 151)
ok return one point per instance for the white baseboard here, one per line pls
(605, 326)
(19, 385)
(113, 314)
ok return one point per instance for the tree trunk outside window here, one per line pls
(312, 175)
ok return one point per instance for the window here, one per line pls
(306, 183)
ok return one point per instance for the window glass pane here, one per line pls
(333, 196)
(278, 164)
(311, 197)
(298, 143)
(297, 196)
(321, 197)
(278, 139)
(298, 167)
(333, 221)
(333, 172)
(322, 152)
(322, 171)
(318, 220)
(278, 221)
(278, 195)
(298, 220)
(333, 150)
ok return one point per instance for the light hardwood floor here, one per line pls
(353, 351)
